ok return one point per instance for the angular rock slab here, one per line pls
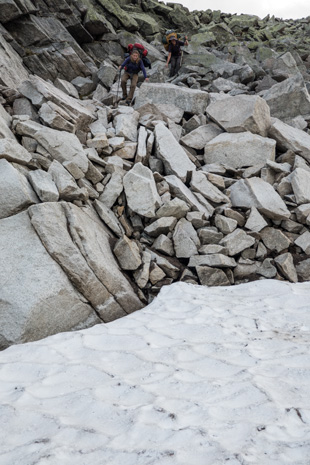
(44, 186)
(209, 276)
(286, 265)
(185, 239)
(180, 190)
(255, 192)
(14, 152)
(198, 138)
(126, 125)
(16, 192)
(12, 70)
(237, 241)
(38, 299)
(289, 138)
(199, 183)
(127, 253)
(288, 99)
(239, 150)
(81, 247)
(39, 91)
(301, 185)
(241, 113)
(5, 122)
(190, 100)
(141, 192)
(62, 146)
(174, 157)
(274, 239)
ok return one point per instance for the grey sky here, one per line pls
(280, 8)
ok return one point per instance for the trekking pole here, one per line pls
(119, 80)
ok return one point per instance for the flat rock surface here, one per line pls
(190, 100)
(201, 376)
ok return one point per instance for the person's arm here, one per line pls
(168, 59)
(124, 64)
(186, 40)
(143, 70)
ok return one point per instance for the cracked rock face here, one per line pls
(204, 179)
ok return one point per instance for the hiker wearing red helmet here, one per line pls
(175, 54)
(133, 65)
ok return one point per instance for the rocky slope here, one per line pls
(205, 180)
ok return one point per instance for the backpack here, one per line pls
(142, 51)
(170, 34)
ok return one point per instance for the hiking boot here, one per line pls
(128, 101)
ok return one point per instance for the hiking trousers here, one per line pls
(175, 64)
(134, 82)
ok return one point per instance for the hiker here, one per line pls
(175, 54)
(133, 65)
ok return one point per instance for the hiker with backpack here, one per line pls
(175, 54)
(133, 65)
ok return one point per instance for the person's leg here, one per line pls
(134, 82)
(125, 78)
(172, 66)
(177, 64)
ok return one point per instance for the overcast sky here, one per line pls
(280, 8)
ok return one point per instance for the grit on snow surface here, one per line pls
(202, 376)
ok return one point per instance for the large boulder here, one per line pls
(240, 150)
(288, 99)
(16, 192)
(190, 100)
(241, 113)
(174, 157)
(37, 298)
(255, 192)
(81, 247)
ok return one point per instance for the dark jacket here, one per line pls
(134, 68)
(175, 50)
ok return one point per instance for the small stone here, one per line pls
(141, 276)
(225, 225)
(164, 245)
(156, 274)
(214, 260)
(303, 270)
(303, 242)
(127, 253)
(99, 142)
(43, 185)
(161, 226)
(212, 276)
(175, 207)
(185, 239)
(274, 239)
(267, 269)
(286, 266)
(255, 221)
(209, 235)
